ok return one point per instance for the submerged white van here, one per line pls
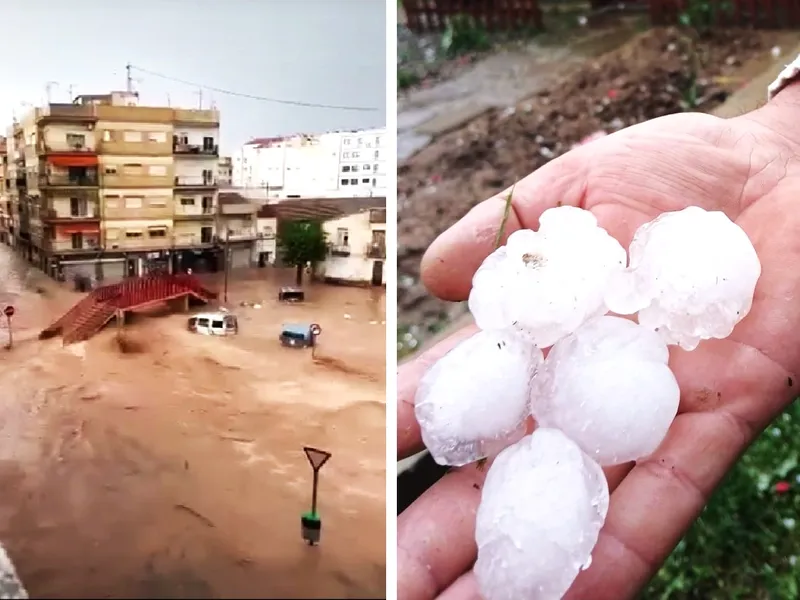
(217, 323)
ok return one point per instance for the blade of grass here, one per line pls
(506, 213)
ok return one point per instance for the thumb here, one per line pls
(452, 259)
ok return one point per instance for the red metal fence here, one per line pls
(497, 15)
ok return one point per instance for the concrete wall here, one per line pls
(136, 171)
(137, 203)
(188, 233)
(134, 139)
(137, 234)
(353, 233)
(67, 138)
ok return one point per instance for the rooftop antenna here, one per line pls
(48, 89)
(128, 79)
(70, 89)
(199, 94)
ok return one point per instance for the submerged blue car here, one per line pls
(299, 335)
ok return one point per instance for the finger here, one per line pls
(409, 440)
(664, 494)
(450, 262)
(436, 534)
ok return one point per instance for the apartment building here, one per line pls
(5, 208)
(356, 245)
(339, 164)
(195, 148)
(238, 229)
(225, 171)
(98, 190)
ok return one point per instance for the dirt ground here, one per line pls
(645, 78)
(177, 470)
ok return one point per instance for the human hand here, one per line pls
(747, 167)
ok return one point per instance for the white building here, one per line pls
(330, 165)
(267, 228)
(357, 248)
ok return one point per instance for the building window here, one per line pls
(377, 140)
(106, 135)
(377, 154)
(346, 169)
(187, 201)
(133, 201)
(365, 168)
(345, 181)
(76, 141)
(354, 182)
(374, 168)
(132, 136)
(132, 169)
(355, 168)
(157, 201)
(111, 170)
(157, 232)
(346, 141)
(112, 201)
(342, 236)
(157, 170)
(157, 136)
(374, 182)
(133, 234)
(355, 154)
(345, 155)
(365, 181)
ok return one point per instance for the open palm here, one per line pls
(730, 389)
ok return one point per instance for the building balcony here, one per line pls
(75, 244)
(59, 180)
(192, 240)
(81, 148)
(53, 216)
(186, 182)
(237, 235)
(195, 150)
(375, 250)
(339, 250)
(195, 216)
(377, 215)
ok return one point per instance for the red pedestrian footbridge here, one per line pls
(102, 304)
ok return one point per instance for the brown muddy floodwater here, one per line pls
(176, 470)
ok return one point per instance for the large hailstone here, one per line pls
(542, 507)
(609, 389)
(692, 276)
(547, 282)
(474, 400)
(10, 585)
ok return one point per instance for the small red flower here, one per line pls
(782, 487)
(612, 94)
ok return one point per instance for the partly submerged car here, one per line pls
(291, 294)
(299, 335)
(215, 323)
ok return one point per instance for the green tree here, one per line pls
(300, 243)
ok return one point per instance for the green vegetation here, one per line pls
(746, 544)
(300, 243)
(463, 35)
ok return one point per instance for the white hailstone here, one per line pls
(692, 276)
(609, 389)
(473, 402)
(547, 282)
(542, 507)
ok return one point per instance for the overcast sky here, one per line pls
(315, 51)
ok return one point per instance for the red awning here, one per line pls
(78, 228)
(73, 160)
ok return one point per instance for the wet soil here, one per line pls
(175, 469)
(644, 79)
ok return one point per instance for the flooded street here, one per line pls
(176, 469)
